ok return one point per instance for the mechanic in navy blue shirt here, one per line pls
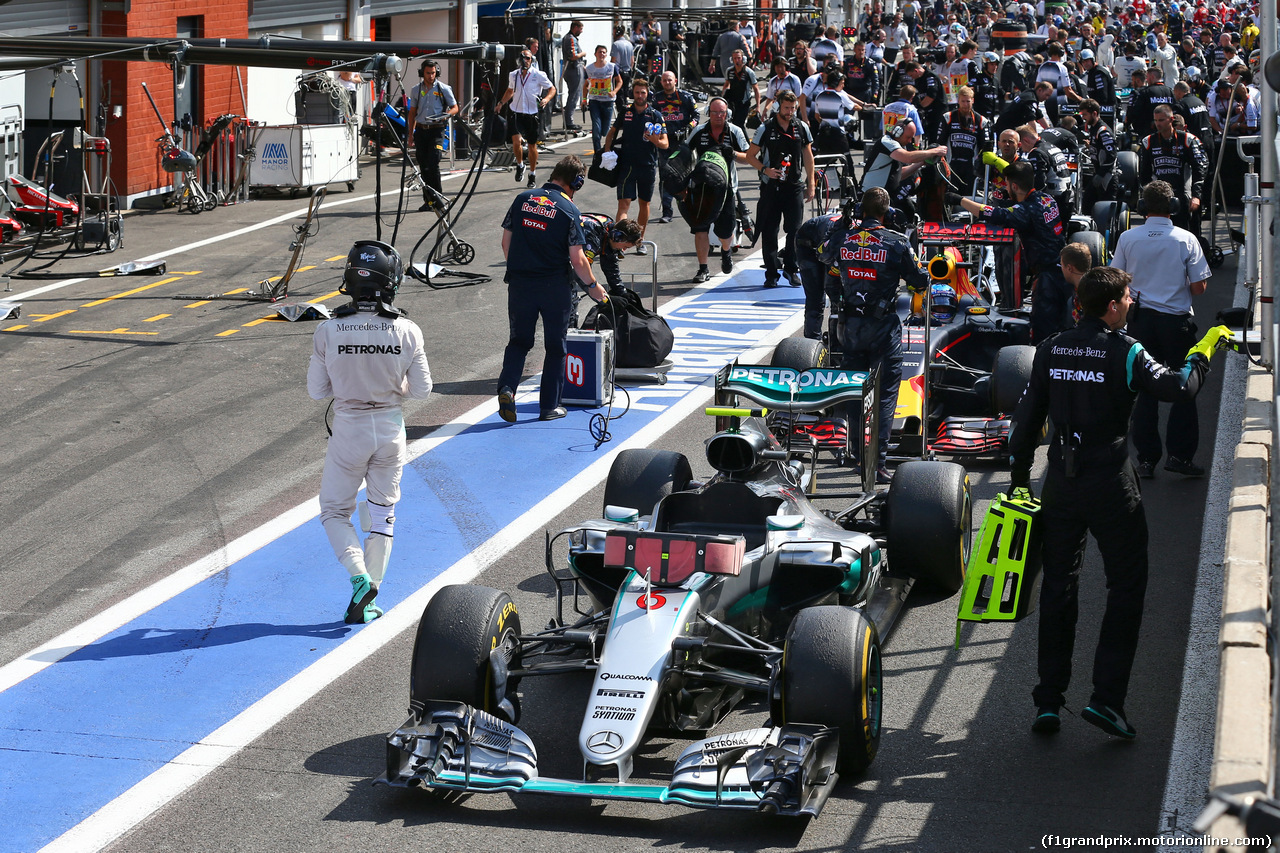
(870, 260)
(638, 159)
(1038, 221)
(810, 237)
(1085, 381)
(679, 116)
(542, 240)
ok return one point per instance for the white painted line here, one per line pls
(169, 253)
(1191, 754)
(151, 794)
(145, 600)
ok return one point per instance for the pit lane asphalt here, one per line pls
(129, 456)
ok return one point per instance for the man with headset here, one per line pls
(542, 240)
(369, 359)
(431, 104)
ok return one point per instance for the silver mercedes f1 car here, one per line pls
(692, 598)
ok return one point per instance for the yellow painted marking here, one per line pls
(157, 317)
(335, 258)
(304, 269)
(43, 318)
(261, 320)
(197, 304)
(109, 332)
(192, 272)
(323, 298)
(273, 278)
(237, 290)
(227, 332)
(16, 328)
(168, 280)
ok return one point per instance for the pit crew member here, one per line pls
(679, 116)
(1039, 223)
(866, 263)
(965, 134)
(892, 164)
(542, 241)
(368, 358)
(1084, 381)
(1101, 147)
(1176, 158)
(782, 151)
(643, 136)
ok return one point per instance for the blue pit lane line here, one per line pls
(83, 731)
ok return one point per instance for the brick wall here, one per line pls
(136, 165)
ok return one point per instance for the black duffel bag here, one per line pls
(601, 175)
(642, 339)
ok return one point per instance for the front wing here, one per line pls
(787, 770)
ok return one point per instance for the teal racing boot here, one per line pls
(362, 608)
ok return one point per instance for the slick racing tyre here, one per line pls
(1096, 243)
(930, 523)
(1111, 219)
(831, 675)
(1010, 375)
(641, 477)
(460, 629)
(800, 354)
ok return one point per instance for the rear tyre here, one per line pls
(1010, 375)
(1096, 243)
(459, 629)
(832, 675)
(641, 477)
(1127, 175)
(800, 354)
(930, 524)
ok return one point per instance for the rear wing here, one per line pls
(951, 234)
(786, 388)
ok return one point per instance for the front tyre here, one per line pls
(832, 675)
(930, 523)
(461, 628)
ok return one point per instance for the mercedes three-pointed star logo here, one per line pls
(604, 742)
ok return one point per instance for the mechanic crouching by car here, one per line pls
(1085, 381)
(368, 358)
(867, 261)
(810, 238)
(542, 241)
(1036, 218)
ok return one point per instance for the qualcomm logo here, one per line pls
(275, 156)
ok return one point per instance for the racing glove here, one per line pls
(1022, 493)
(952, 199)
(1212, 341)
(991, 158)
(1020, 478)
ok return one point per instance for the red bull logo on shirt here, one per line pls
(540, 205)
(857, 247)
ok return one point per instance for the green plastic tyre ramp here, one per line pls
(1002, 580)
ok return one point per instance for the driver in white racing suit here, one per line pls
(369, 358)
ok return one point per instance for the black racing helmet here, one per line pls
(373, 273)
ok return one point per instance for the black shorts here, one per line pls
(635, 182)
(528, 127)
